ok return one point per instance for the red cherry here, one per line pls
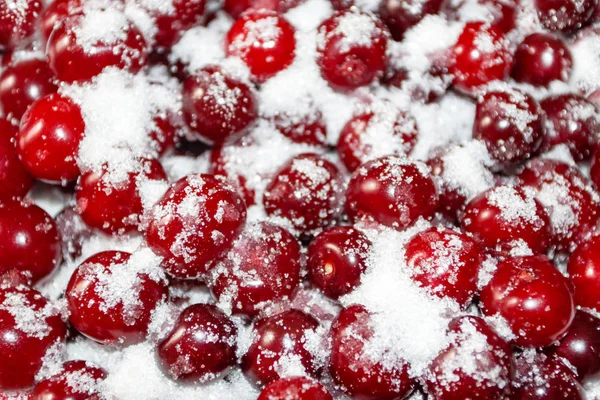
(351, 48)
(306, 193)
(163, 135)
(504, 217)
(399, 16)
(17, 21)
(391, 191)
(30, 328)
(534, 299)
(74, 232)
(510, 125)
(78, 380)
(16, 182)
(217, 106)
(201, 346)
(236, 7)
(564, 15)
(584, 273)
(297, 388)
(594, 168)
(541, 59)
(264, 40)
(309, 129)
(220, 160)
(194, 224)
(481, 55)
(581, 347)
(49, 138)
(262, 267)
(475, 365)
(115, 207)
(54, 13)
(499, 13)
(445, 262)
(279, 343)
(172, 21)
(111, 300)
(29, 240)
(353, 370)
(572, 120)
(74, 57)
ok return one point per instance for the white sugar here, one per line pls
(514, 207)
(29, 321)
(355, 29)
(101, 23)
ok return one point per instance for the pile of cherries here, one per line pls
(540, 214)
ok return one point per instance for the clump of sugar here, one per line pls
(514, 206)
(28, 320)
(101, 23)
(355, 30)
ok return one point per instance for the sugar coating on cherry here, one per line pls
(564, 15)
(581, 346)
(236, 7)
(584, 273)
(172, 20)
(77, 380)
(309, 129)
(399, 16)
(296, 388)
(17, 22)
(499, 13)
(542, 58)
(16, 181)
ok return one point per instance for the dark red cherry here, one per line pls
(172, 21)
(476, 364)
(351, 48)
(306, 193)
(571, 120)
(54, 13)
(499, 13)
(15, 181)
(264, 40)
(581, 347)
(77, 380)
(309, 129)
(399, 16)
(391, 191)
(262, 267)
(337, 258)
(480, 55)
(584, 273)
(353, 370)
(541, 59)
(29, 240)
(30, 328)
(297, 388)
(216, 106)
(236, 7)
(48, 141)
(111, 296)
(195, 223)
(17, 21)
(533, 298)
(594, 167)
(116, 206)
(281, 342)
(564, 15)
(510, 123)
(446, 262)
(201, 346)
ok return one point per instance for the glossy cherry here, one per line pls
(581, 347)
(48, 141)
(201, 346)
(564, 15)
(236, 7)
(399, 16)
(297, 388)
(77, 380)
(391, 191)
(534, 299)
(584, 273)
(17, 21)
(195, 223)
(110, 300)
(264, 40)
(170, 23)
(16, 182)
(54, 13)
(541, 59)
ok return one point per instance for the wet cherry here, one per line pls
(581, 347)
(541, 59)
(584, 273)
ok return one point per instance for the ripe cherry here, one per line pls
(110, 299)
(195, 223)
(353, 370)
(77, 380)
(499, 13)
(236, 7)
(163, 135)
(399, 16)
(309, 129)
(30, 328)
(391, 191)
(17, 21)
(29, 240)
(564, 15)
(581, 347)
(584, 273)
(16, 182)
(297, 388)
(216, 106)
(264, 40)
(348, 58)
(306, 193)
(48, 141)
(173, 20)
(54, 13)
(222, 163)
(594, 167)
(534, 299)
(279, 343)
(541, 59)
(201, 346)
(262, 267)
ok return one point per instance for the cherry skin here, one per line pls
(584, 273)
(205, 112)
(220, 165)
(164, 134)
(445, 262)
(541, 59)
(195, 223)
(472, 343)
(564, 15)
(337, 258)
(594, 168)
(262, 267)
(61, 386)
(201, 346)
(277, 339)
(184, 15)
(318, 180)
(510, 125)
(16, 182)
(533, 297)
(354, 371)
(499, 13)
(115, 207)
(102, 309)
(504, 217)
(30, 327)
(391, 191)
(17, 23)
(48, 141)
(29, 240)
(400, 16)
(236, 7)
(54, 13)
(297, 388)
(264, 40)
(480, 55)
(581, 346)
(309, 129)
(345, 62)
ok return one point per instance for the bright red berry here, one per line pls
(17, 21)
(54, 13)
(581, 347)
(77, 380)
(175, 19)
(564, 15)
(399, 16)
(541, 59)
(236, 7)
(16, 182)
(297, 388)
(584, 273)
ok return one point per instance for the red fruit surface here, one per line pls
(564, 15)
(399, 16)
(297, 388)
(54, 13)
(584, 273)
(16, 182)
(170, 25)
(77, 380)
(17, 23)
(581, 347)
(541, 59)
